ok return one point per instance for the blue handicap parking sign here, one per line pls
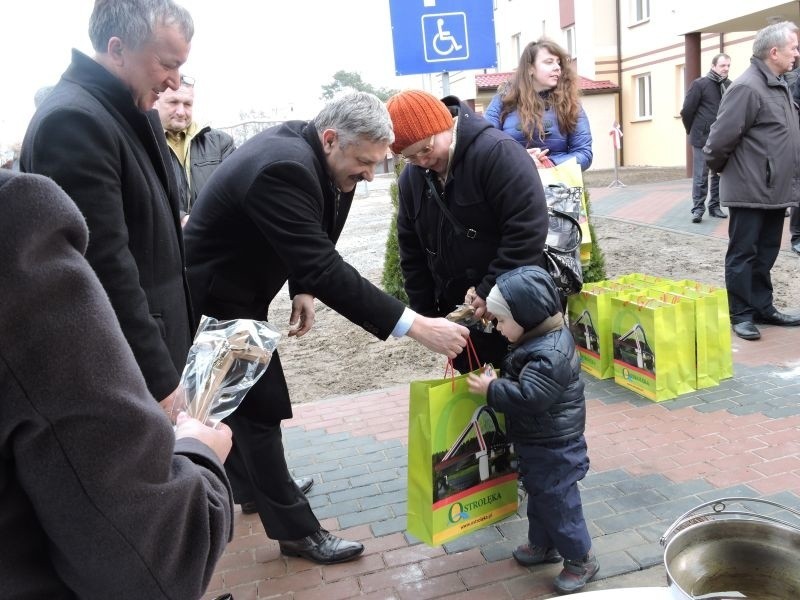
(431, 36)
(445, 36)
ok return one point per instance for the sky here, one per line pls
(263, 55)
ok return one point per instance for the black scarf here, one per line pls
(723, 82)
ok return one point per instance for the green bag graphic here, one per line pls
(590, 323)
(461, 470)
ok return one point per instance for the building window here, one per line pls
(644, 103)
(640, 10)
(569, 40)
(516, 46)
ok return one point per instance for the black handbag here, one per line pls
(561, 251)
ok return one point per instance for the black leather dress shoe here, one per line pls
(304, 483)
(322, 547)
(716, 212)
(779, 318)
(746, 330)
(697, 217)
(796, 247)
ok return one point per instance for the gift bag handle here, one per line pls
(472, 355)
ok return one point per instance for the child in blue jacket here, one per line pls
(541, 395)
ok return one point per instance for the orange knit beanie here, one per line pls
(416, 115)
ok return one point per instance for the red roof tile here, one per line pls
(491, 81)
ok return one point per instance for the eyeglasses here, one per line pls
(187, 81)
(426, 150)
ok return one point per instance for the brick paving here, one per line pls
(651, 462)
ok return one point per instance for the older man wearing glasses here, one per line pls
(195, 151)
(471, 208)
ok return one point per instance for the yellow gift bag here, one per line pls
(461, 471)
(646, 335)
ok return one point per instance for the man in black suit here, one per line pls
(96, 136)
(272, 212)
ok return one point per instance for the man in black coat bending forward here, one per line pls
(272, 212)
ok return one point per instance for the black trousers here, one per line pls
(754, 242)
(794, 224)
(258, 472)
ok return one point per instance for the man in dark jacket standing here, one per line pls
(272, 212)
(96, 136)
(755, 145)
(494, 217)
(195, 151)
(699, 111)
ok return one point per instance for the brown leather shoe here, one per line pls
(322, 547)
(528, 555)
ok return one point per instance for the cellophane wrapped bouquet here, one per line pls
(226, 359)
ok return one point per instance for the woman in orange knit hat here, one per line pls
(470, 208)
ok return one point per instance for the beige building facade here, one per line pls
(637, 56)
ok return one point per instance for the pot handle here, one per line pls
(719, 508)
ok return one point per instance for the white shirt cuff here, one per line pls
(404, 324)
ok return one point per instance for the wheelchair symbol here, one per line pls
(445, 37)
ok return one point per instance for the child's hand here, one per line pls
(479, 384)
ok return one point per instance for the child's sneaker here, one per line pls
(528, 555)
(576, 573)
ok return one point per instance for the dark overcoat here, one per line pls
(97, 498)
(269, 214)
(112, 160)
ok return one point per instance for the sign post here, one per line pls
(616, 142)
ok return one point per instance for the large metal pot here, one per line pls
(724, 554)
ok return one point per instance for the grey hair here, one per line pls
(356, 115)
(134, 21)
(41, 94)
(775, 35)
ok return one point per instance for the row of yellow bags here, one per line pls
(657, 337)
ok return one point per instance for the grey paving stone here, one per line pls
(399, 508)
(487, 535)
(343, 472)
(621, 540)
(359, 459)
(368, 478)
(615, 563)
(356, 493)
(735, 490)
(621, 522)
(364, 517)
(597, 510)
(672, 509)
(319, 501)
(654, 531)
(717, 405)
(356, 442)
(635, 500)
(320, 468)
(782, 412)
(682, 402)
(647, 555)
(498, 551)
(600, 493)
(642, 483)
(750, 409)
(397, 451)
(785, 498)
(335, 510)
(394, 485)
(604, 478)
(516, 531)
(685, 488)
(377, 500)
(391, 463)
(389, 526)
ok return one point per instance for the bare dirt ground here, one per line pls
(338, 358)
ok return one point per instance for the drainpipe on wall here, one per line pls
(619, 82)
(691, 71)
